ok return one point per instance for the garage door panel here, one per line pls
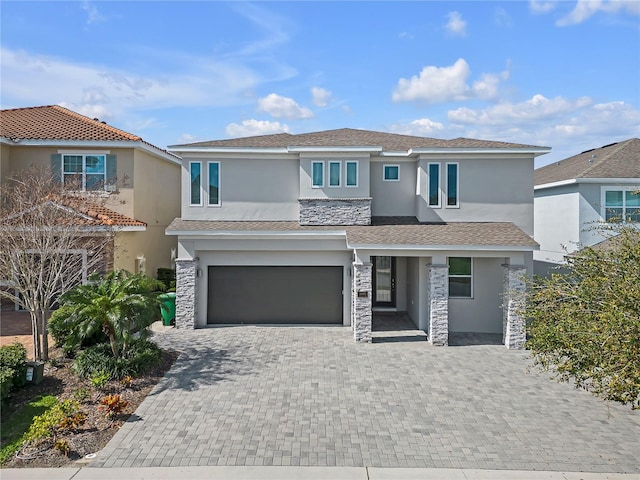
(274, 294)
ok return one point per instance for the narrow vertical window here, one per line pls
(317, 174)
(460, 275)
(391, 173)
(352, 174)
(434, 184)
(214, 183)
(452, 185)
(196, 182)
(334, 174)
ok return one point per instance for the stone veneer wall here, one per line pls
(515, 334)
(186, 293)
(335, 211)
(361, 306)
(438, 292)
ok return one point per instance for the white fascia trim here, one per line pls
(571, 181)
(535, 151)
(129, 228)
(258, 233)
(177, 150)
(329, 149)
(93, 144)
(472, 248)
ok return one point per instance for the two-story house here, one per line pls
(577, 195)
(329, 227)
(136, 185)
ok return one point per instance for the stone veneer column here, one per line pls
(361, 305)
(438, 294)
(186, 292)
(515, 332)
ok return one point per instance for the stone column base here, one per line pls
(361, 302)
(186, 292)
(438, 294)
(515, 332)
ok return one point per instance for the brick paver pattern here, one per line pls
(312, 396)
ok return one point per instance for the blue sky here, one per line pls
(564, 74)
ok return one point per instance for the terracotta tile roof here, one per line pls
(383, 231)
(618, 160)
(349, 137)
(98, 214)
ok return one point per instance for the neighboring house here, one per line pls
(329, 227)
(575, 196)
(136, 184)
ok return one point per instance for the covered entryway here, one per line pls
(275, 294)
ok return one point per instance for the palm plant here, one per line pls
(120, 305)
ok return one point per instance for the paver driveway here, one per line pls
(311, 396)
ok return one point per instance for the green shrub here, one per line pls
(98, 360)
(63, 416)
(13, 368)
(61, 327)
(168, 277)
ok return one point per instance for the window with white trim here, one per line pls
(433, 185)
(335, 168)
(460, 277)
(214, 183)
(452, 185)
(391, 173)
(621, 204)
(195, 175)
(317, 174)
(351, 173)
(84, 172)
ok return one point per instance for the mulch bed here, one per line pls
(97, 430)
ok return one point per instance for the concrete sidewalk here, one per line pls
(296, 473)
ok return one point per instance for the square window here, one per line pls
(391, 173)
(352, 174)
(460, 276)
(334, 174)
(317, 174)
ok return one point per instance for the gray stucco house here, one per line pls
(574, 196)
(334, 226)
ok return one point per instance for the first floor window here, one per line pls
(334, 174)
(196, 182)
(452, 184)
(84, 172)
(214, 183)
(317, 174)
(622, 205)
(434, 184)
(460, 273)
(391, 173)
(352, 174)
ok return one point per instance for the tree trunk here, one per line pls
(35, 335)
(114, 345)
(45, 334)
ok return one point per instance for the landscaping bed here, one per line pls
(96, 430)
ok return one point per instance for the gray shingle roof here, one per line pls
(618, 160)
(349, 137)
(400, 231)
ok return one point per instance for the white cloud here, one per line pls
(536, 109)
(539, 7)
(320, 96)
(253, 127)
(502, 18)
(443, 84)
(585, 9)
(422, 127)
(186, 138)
(93, 15)
(456, 25)
(283, 107)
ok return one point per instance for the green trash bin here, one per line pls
(167, 307)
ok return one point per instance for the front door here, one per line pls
(384, 281)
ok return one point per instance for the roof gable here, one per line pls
(617, 160)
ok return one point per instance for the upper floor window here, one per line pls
(335, 169)
(452, 185)
(352, 173)
(460, 276)
(434, 184)
(391, 173)
(195, 173)
(622, 205)
(84, 172)
(317, 174)
(214, 183)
